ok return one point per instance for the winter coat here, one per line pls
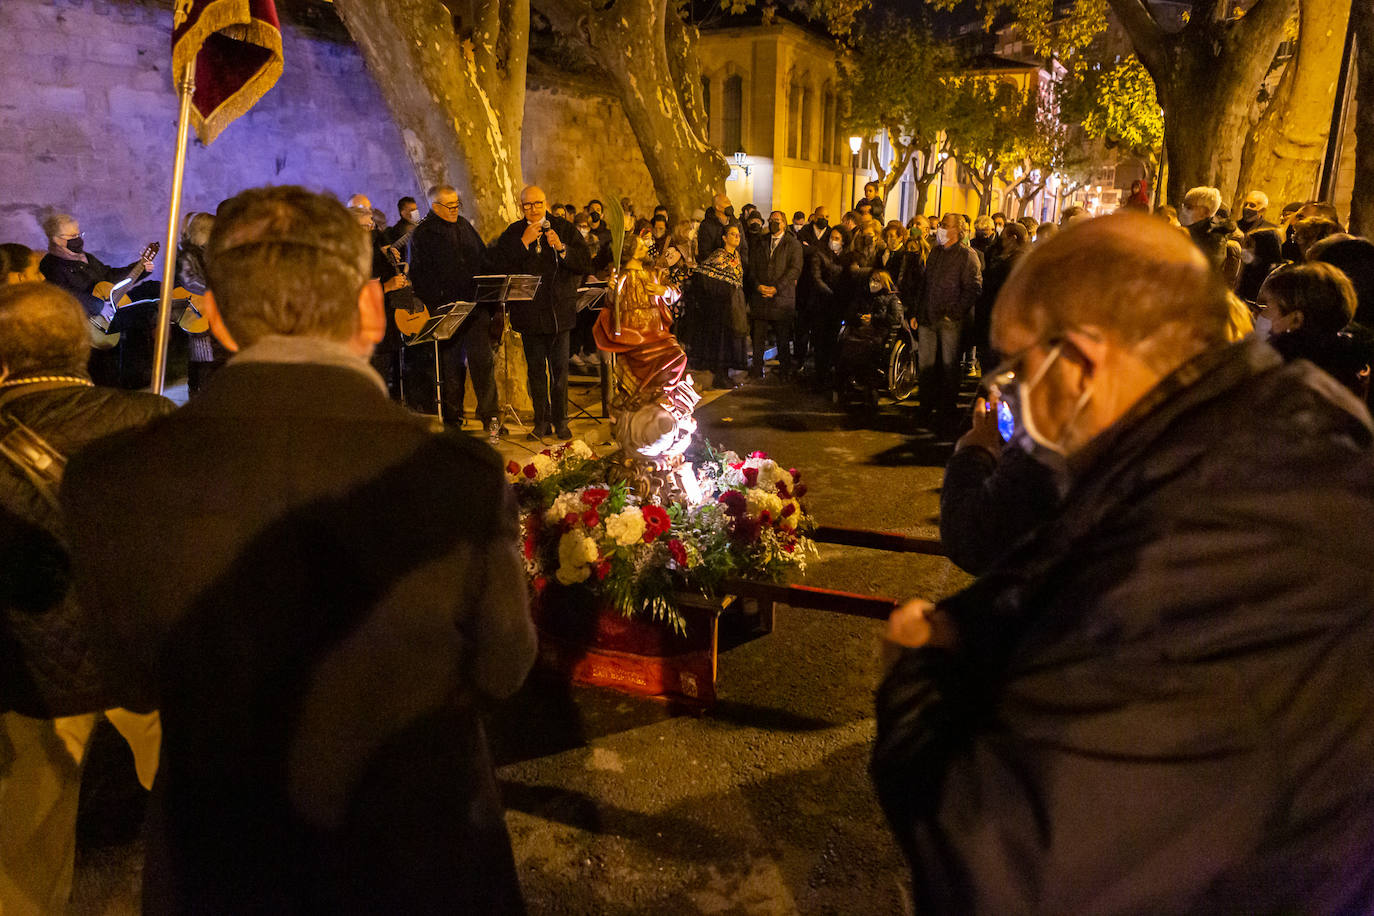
(46, 666)
(781, 268)
(1162, 700)
(444, 258)
(953, 280)
(554, 307)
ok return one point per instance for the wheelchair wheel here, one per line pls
(901, 370)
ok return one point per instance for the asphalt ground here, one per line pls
(621, 805)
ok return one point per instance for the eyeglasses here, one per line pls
(443, 206)
(530, 205)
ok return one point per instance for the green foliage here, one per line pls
(897, 80)
(991, 125)
(1116, 102)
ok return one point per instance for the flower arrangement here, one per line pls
(582, 528)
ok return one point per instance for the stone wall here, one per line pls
(88, 125)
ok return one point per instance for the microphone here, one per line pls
(539, 242)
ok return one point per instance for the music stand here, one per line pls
(500, 289)
(593, 297)
(440, 327)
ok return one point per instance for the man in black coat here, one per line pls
(445, 254)
(319, 610)
(550, 248)
(774, 267)
(711, 232)
(47, 667)
(1161, 700)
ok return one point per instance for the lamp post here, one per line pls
(854, 144)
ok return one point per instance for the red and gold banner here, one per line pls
(236, 45)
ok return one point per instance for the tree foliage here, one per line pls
(1116, 102)
(991, 125)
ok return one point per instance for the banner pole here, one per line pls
(169, 249)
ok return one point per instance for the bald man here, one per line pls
(711, 233)
(548, 246)
(1161, 701)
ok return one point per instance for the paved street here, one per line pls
(762, 806)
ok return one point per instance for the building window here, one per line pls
(828, 129)
(793, 120)
(807, 102)
(733, 120)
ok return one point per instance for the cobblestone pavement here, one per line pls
(615, 805)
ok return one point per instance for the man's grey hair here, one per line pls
(1202, 202)
(438, 189)
(43, 331)
(284, 260)
(52, 223)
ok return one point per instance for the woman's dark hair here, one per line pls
(1322, 293)
(1354, 258)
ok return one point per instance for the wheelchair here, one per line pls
(873, 361)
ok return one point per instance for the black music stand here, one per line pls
(499, 289)
(593, 297)
(439, 328)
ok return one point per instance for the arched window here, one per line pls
(733, 120)
(807, 101)
(793, 120)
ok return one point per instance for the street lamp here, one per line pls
(854, 144)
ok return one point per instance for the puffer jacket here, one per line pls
(1162, 701)
(45, 665)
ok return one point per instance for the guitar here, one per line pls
(115, 298)
(193, 320)
(411, 318)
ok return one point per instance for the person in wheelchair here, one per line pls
(876, 354)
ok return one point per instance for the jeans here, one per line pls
(782, 329)
(937, 346)
(546, 359)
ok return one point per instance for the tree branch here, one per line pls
(1147, 36)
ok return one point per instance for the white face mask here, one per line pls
(1027, 415)
(836, 245)
(942, 236)
(412, 216)
(1247, 257)
(1263, 327)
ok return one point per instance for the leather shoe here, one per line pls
(563, 432)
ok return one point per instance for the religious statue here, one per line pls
(654, 397)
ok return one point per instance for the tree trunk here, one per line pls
(1362, 200)
(681, 44)
(628, 38)
(459, 100)
(923, 184)
(1284, 154)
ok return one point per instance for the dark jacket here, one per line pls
(710, 236)
(444, 257)
(990, 502)
(80, 277)
(317, 621)
(827, 274)
(554, 307)
(875, 207)
(812, 234)
(953, 280)
(1162, 701)
(780, 268)
(46, 667)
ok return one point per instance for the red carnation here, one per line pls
(796, 474)
(590, 518)
(530, 472)
(789, 509)
(783, 491)
(758, 454)
(656, 522)
(595, 496)
(734, 501)
(678, 551)
(736, 465)
(512, 468)
(602, 569)
(751, 476)
(800, 491)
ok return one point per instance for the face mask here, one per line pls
(941, 237)
(596, 217)
(1247, 257)
(836, 245)
(76, 245)
(1263, 328)
(756, 227)
(875, 286)
(798, 225)
(411, 216)
(774, 226)
(1027, 415)
(822, 222)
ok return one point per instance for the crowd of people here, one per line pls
(1155, 697)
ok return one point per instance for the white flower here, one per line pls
(543, 466)
(729, 458)
(730, 477)
(626, 527)
(571, 575)
(581, 449)
(566, 504)
(758, 501)
(576, 549)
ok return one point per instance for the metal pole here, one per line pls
(854, 181)
(169, 250)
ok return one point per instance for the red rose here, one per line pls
(736, 465)
(602, 569)
(570, 521)
(678, 551)
(789, 509)
(734, 501)
(751, 476)
(595, 496)
(590, 518)
(530, 472)
(765, 517)
(758, 454)
(656, 522)
(800, 491)
(512, 468)
(796, 474)
(547, 452)
(783, 491)
(789, 548)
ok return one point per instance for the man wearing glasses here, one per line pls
(552, 249)
(1161, 699)
(445, 254)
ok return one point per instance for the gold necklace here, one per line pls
(35, 379)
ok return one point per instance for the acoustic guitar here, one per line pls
(193, 320)
(115, 298)
(411, 318)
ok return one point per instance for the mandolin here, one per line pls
(115, 296)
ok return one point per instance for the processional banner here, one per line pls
(236, 46)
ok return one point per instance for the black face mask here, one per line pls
(76, 245)
(822, 222)
(596, 217)
(774, 226)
